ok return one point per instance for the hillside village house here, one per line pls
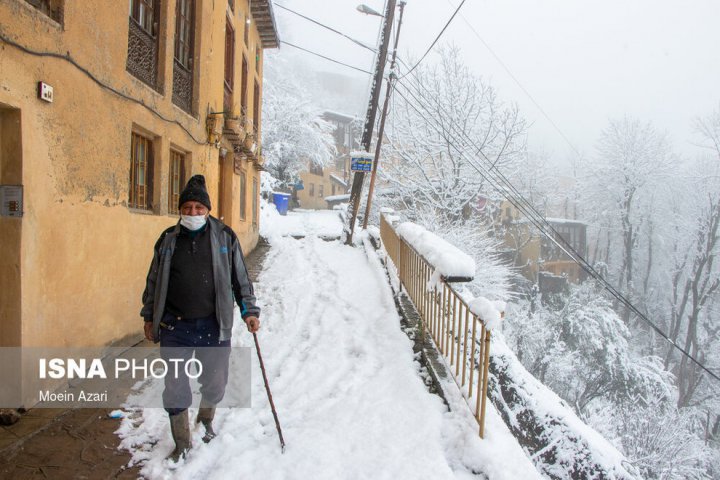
(145, 93)
(538, 258)
(333, 180)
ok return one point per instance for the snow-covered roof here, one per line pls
(337, 198)
(447, 259)
(338, 180)
(557, 221)
(339, 116)
(361, 154)
(565, 220)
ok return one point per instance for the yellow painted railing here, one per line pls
(458, 334)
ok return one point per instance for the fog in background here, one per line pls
(583, 63)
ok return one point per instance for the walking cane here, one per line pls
(267, 388)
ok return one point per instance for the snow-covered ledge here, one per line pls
(448, 261)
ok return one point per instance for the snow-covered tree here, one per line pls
(620, 188)
(445, 121)
(294, 134)
(709, 130)
(437, 112)
(579, 347)
(659, 440)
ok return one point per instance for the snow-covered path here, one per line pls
(346, 386)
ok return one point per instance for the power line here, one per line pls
(436, 39)
(358, 42)
(92, 77)
(323, 56)
(532, 99)
(543, 225)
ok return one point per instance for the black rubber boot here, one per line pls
(205, 416)
(180, 428)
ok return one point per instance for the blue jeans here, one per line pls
(179, 340)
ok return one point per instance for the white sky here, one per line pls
(582, 61)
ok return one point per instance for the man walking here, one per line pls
(196, 276)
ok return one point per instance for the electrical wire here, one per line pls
(543, 226)
(357, 42)
(324, 57)
(92, 77)
(524, 90)
(503, 185)
(436, 39)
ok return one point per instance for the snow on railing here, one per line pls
(448, 261)
(461, 330)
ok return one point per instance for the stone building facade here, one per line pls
(145, 93)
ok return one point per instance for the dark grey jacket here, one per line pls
(232, 283)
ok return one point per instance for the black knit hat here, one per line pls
(195, 190)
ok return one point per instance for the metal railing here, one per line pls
(458, 334)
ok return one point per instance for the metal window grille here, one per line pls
(183, 61)
(141, 164)
(255, 203)
(177, 180)
(142, 59)
(243, 196)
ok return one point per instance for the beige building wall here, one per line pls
(73, 267)
(527, 242)
(317, 187)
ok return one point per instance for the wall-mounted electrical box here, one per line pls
(45, 92)
(11, 200)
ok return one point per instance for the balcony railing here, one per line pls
(459, 335)
(142, 57)
(182, 86)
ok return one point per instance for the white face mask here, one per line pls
(193, 222)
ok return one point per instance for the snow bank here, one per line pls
(298, 223)
(446, 259)
(559, 443)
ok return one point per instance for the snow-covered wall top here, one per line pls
(446, 259)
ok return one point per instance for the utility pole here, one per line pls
(359, 177)
(388, 91)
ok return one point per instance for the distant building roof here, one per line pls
(557, 221)
(568, 221)
(338, 198)
(264, 18)
(338, 180)
(328, 114)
